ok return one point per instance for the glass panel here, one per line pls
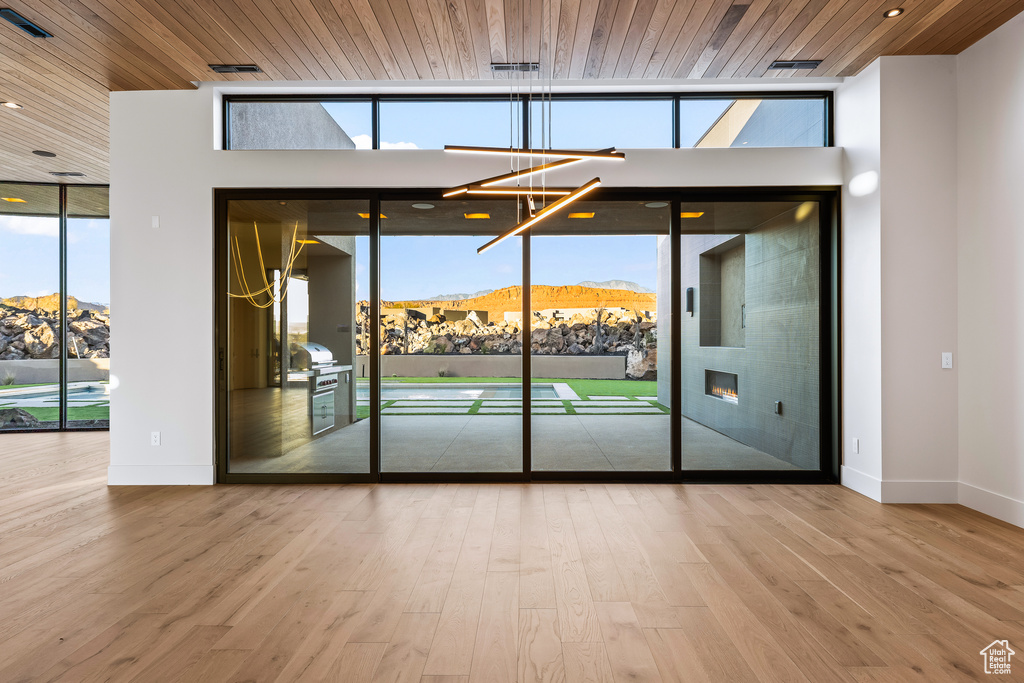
(29, 307)
(596, 124)
(292, 398)
(88, 277)
(282, 124)
(434, 124)
(751, 340)
(752, 122)
(451, 344)
(600, 293)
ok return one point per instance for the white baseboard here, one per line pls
(864, 484)
(991, 503)
(919, 492)
(202, 475)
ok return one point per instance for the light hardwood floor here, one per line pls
(504, 582)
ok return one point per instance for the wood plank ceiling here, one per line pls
(106, 45)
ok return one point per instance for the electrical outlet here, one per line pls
(856, 445)
(947, 360)
(154, 439)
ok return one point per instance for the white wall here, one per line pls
(164, 162)
(990, 273)
(898, 118)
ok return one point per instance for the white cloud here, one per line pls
(363, 141)
(29, 225)
(366, 142)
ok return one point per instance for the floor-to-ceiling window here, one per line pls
(53, 240)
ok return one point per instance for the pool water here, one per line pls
(468, 391)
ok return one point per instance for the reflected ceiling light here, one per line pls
(609, 153)
(309, 241)
(11, 105)
(477, 215)
(281, 283)
(656, 205)
(583, 214)
(893, 13)
(423, 206)
(691, 214)
(13, 199)
(805, 210)
(863, 184)
(542, 214)
(366, 215)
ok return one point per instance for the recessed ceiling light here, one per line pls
(43, 153)
(67, 174)
(656, 205)
(11, 105)
(283, 203)
(423, 206)
(477, 215)
(894, 12)
(366, 215)
(13, 199)
(582, 214)
(691, 214)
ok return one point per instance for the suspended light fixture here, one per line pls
(542, 214)
(268, 287)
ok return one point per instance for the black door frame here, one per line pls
(830, 377)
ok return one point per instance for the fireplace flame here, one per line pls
(726, 394)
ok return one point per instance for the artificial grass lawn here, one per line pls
(74, 413)
(585, 388)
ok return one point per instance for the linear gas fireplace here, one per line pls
(721, 385)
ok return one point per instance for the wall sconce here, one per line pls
(689, 301)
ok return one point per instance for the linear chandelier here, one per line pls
(268, 287)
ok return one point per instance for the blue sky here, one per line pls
(29, 252)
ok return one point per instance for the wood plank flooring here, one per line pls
(447, 583)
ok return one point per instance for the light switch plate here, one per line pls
(947, 360)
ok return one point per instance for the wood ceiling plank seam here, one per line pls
(678, 18)
(125, 35)
(323, 46)
(701, 38)
(649, 41)
(798, 24)
(477, 21)
(566, 37)
(413, 38)
(538, 14)
(42, 94)
(12, 139)
(867, 27)
(867, 19)
(585, 20)
(763, 25)
(364, 70)
(907, 25)
(155, 31)
(379, 61)
(239, 32)
(55, 115)
(515, 46)
(54, 133)
(708, 65)
(215, 47)
(297, 36)
(921, 22)
(925, 42)
(495, 10)
(1009, 11)
(964, 19)
(33, 72)
(370, 27)
(459, 21)
(392, 35)
(674, 57)
(639, 24)
(271, 37)
(821, 29)
(617, 36)
(431, 44)
(599, 38)
(445, 38)
(774, 38)
(76, 48)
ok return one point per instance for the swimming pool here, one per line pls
(390, 391)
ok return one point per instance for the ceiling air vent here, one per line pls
(24, 24)
(796, 64)
(67, 174)
(515, 66)
(236, 68)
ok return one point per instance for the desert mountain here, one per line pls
(52, 303)
(616, 284)
(543, 297)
